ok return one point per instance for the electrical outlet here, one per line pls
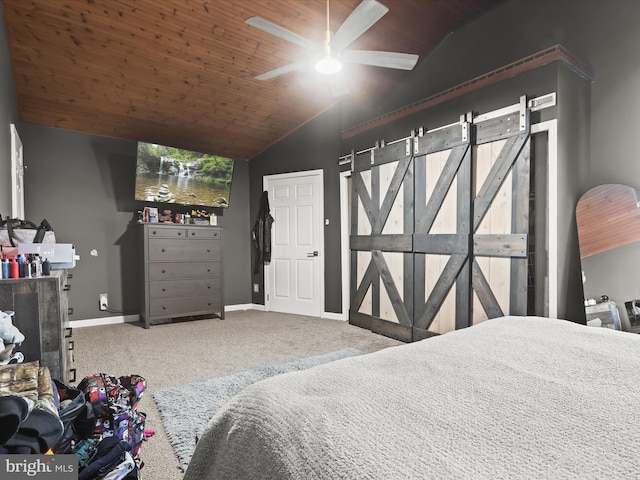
(104, 301)
(256, 288)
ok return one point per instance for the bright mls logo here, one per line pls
(50, 467)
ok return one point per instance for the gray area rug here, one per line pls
(186, 409)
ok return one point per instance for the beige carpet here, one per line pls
(190, 351)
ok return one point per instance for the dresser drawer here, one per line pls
(167, 232)
(175, 271)
(165, 249)
(185, 306)
(210, 233)
(184, 288)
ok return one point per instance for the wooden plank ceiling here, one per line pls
(180, 72)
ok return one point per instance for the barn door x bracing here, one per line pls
(439, 228)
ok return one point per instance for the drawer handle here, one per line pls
(208, 250)
(72, 380)
(70, 311)
(153, 232)
(164, 307)
(208, 269)
(69, 275)
(208, 286)
(164, 289)
(72, 345)
(67, 287)
(179, 234)
(193, 233)
(69, 332)
(163, 250)
(164, 271)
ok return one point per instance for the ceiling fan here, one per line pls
(332, 54)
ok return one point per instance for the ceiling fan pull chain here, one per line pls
(328, 28)
(328, 35)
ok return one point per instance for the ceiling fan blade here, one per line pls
(402, 61)
(338, 86)
(281, 70)
(280, 32)
(361, 19)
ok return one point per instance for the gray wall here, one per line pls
(614, 273)
(603, 34)
(573, 126)
(84, 185)
(8, 115)
(314, 146)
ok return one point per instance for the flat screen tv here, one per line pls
(173, 175)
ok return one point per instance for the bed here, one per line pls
(510, 398)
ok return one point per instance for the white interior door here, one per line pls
(294, 280)
(17, 175)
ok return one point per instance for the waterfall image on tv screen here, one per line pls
(173, 175)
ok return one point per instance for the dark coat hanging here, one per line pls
(261, 234)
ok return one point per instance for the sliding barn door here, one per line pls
(381, 240)
(439, 229)
(442, 232)
(501, 218)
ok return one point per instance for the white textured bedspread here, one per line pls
(511, 398)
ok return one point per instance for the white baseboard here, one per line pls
(93, 322)
(246, 306)
(335, 316)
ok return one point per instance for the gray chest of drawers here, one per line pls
(182, 267)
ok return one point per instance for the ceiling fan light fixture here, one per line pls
(328, 65)
(334, 51)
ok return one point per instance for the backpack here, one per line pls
(114, 401)
(76, 416)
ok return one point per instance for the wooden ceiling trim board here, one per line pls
(143, 40)
(259, 134)
(131, 129)
(188, 57)
(95, 93)
(116, 85)
(134, 62)
(230, 37)
(247, 121)
(530, 62)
